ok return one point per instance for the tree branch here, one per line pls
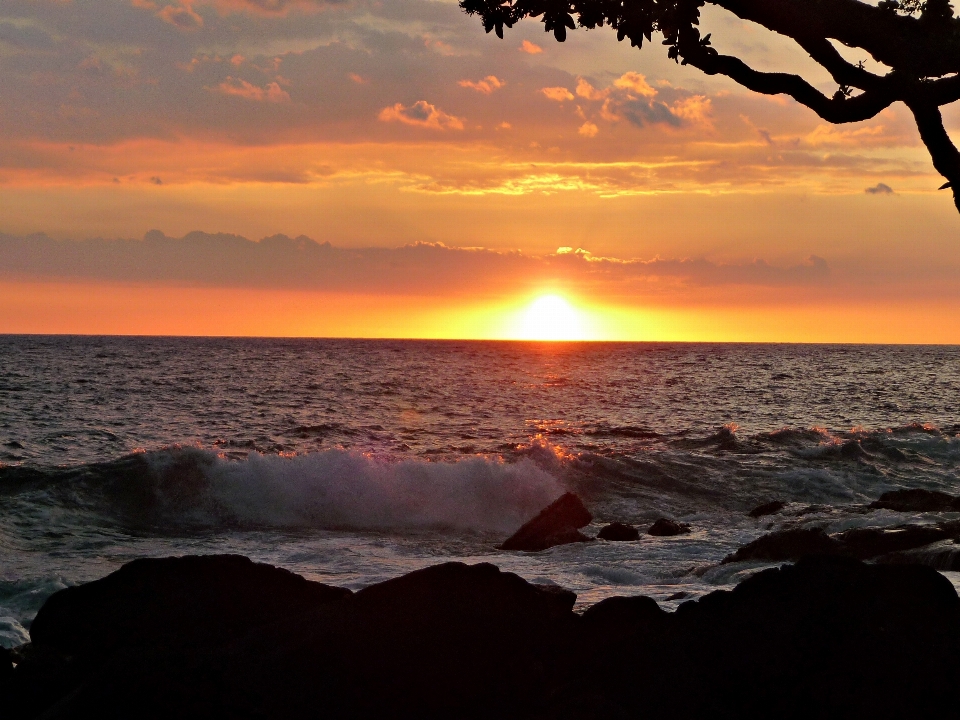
(904, 43)
(946, 157)
(833, 110)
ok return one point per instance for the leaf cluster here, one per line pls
(635, 20)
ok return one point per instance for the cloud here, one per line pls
(880, 189)
(557, 93)
(635, 83)
(630, 97)
(223, 260)
(421, 114)
(241, 88)
(485, 86)
(530, 48)
(588, 129)
(181, 16)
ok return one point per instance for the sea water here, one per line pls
(353, 461)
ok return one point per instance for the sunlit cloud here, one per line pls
(421, 114)
(530, 48)
(241, 88)
(485, 86)
(559, 94)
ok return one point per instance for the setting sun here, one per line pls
(551, 317)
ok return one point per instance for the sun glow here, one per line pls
(551, 317)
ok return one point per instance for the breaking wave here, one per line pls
(333, 489)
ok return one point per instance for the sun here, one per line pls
(551, 317)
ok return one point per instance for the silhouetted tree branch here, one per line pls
(919, 40)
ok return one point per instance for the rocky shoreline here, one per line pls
(220, 636)
(224, 637)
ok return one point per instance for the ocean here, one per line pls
(353, 461)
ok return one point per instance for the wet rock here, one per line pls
(917, 500)
(619, 532)
(865, 543)
(556, 524)
(943, 556)
(770, 508)
(787, 545)
(665, 528)
(155, 602)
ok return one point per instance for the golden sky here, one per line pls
(372, 169)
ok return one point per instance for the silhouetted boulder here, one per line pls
(618, 532)
(827, 637)
(448, 641)
(665, 528)
(623, 614)
(917, 500)
(770, 508)
(787, 545)
(556, 524)
(6, 666)
(154, 602)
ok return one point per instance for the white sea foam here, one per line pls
(343, 489)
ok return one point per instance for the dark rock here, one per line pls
(770, 508)
(6, 665)
(787, 545)
(556, 524)
(448, 641)
(619, 532)
(864, 543)
(678, 596)
(177, 600)
(943, 556)
(859, 543)
(665, 528)
(917, 500)
(623, 614)
(827, 637)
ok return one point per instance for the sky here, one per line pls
(387, 169)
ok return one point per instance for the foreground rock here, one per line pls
(917, 500)
(557, 524)
(666, 528)
(828, 637)
(156, 602)
(618, 532)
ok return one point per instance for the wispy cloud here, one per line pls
(419, 268)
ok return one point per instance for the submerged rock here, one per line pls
(770, 508)
(618, 532)
(917, 500)
(665, 528)
(787, 545)
(556, 524)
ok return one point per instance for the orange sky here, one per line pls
(455, 176)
